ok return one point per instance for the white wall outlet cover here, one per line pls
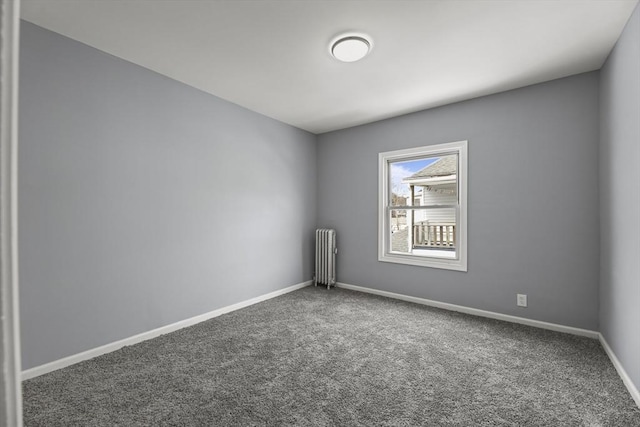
(522, 300)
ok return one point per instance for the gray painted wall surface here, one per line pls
(620, 199)
(144, 202)
(533, 204)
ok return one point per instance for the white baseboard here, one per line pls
(633, 390)
(476, 312)
(108, 348)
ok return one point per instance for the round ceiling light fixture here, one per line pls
(350, 47)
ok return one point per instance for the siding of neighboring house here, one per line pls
(439, 194)
(437, 216)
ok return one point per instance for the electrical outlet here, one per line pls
(522, 300)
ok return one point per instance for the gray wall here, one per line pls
(533, 203)
(144, 201)
(620, 199)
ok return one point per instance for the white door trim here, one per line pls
(11, 401)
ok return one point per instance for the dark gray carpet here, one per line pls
(318, 357)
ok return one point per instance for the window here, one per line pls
(423, 206)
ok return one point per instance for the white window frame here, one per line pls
(385, 254)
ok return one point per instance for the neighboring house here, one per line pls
(434, 185)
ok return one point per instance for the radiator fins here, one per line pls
(325, 257)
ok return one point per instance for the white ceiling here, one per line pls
(273, 57)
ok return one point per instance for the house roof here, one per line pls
(446, 165)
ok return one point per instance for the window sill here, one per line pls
(442, 263)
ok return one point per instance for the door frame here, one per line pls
(10, 375)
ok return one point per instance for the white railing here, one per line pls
(433, 235)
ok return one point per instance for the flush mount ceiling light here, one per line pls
(350, 48)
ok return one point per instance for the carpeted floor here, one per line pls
(318, 357)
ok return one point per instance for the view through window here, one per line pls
(422, 208)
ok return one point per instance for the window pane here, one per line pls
(423, 232)
(398, 172)
(399, 230)
(427, 178)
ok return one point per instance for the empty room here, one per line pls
(319, 213)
